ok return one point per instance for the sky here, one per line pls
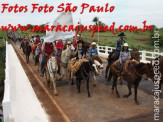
(126, 12)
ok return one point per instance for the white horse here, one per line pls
(51, 73)
(65, 58)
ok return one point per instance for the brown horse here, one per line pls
(157, 62)
(134, 55)
(133, 76)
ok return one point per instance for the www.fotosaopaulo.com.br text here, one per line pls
(77, 28)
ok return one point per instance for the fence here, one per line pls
(145, 55)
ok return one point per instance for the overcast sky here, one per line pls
(126, 12)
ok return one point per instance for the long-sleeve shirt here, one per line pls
(124, 56)
(119, 44)
(38, 50)
(59, 45)
(92, 51)
(43, 46)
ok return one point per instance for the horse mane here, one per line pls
(94, 57)
(110, 56)
(139, 65)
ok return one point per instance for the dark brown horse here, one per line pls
(157, 63)
(134, 55)
(28, 51)
(134, 74)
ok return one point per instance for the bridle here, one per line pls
(91, 69)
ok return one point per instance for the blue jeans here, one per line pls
(116, 54)
(42, 63)
(121, 68)
(56, 54)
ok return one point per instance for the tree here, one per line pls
(95, 20)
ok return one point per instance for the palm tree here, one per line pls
(95, 20)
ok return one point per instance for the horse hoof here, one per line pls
(56, 94)
(118, 96)
(89, 96)
(125, 96)
(94, 85)
(137, 103)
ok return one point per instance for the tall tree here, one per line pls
(95, 19)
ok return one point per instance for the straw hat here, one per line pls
(93, 43)
(125, 45)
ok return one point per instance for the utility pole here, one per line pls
(98, 30)
(80, 24)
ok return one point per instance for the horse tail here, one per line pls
(110, 57)
(110, 76)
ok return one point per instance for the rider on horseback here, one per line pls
(48, 49)
(26, 42)
(119, 44)
(93, 50)
(78, 38)
(123, 57)
(79, 51)
(38, 52)
(59, 49)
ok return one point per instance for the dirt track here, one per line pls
(103, 106)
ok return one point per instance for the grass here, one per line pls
(140, 40)
(2, 63)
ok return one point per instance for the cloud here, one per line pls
(126, 12)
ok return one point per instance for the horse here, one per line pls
(28, 51)
(157, 62)
(91, 66)
(97, 58)
(134, 55)
(51, 72)
(22, 46)
(65, 58)
(133, 76)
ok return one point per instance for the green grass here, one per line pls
(2, 56)
(140, 40)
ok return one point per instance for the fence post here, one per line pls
(106, 49)
(143, 55)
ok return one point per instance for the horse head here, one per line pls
(52, 64)
(96, 66)
(135, 54)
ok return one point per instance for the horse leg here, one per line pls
(77, 83)
(130, 92)
(115, 85)
(109, 78)
(106, 72)
(87, 84)
(71, 77)
(28, 58)
(47, 79)
(54, 86)
(95, 81)
(135, 89)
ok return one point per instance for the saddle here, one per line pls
(116, 66)
(74, 65)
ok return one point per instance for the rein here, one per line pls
(137, 72)
(88, 73)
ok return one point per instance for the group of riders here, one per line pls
(48, 49)
(118, 60)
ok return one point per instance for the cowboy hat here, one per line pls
(69, 42)
(121, 34)
(78, 35)
(93, 43)
(125, 45)
(39, 44)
